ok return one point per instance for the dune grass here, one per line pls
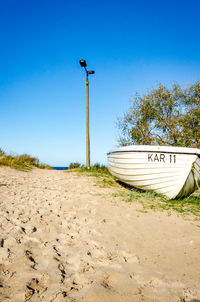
(22, 162)
(154, 201)
(96, 170)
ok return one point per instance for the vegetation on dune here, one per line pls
(96, 170)
(163, 116)
(74, 165)
(154, 201)
(23, 162)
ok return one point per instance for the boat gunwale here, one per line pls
(154, 151)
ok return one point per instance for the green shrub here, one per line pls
(75, 165)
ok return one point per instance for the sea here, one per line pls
(60, 168)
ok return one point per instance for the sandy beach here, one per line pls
(65, 238)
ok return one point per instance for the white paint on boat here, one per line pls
(172, 171)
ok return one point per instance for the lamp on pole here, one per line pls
(84, 64)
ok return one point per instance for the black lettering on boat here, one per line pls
(150, 157)
(156, 158)
(162, 157)
(172, 158)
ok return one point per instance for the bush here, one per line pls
(75, 165)
(163, 116)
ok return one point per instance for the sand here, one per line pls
(65, 238)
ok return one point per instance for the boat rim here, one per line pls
(158, 149)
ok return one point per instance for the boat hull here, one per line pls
(172, 171)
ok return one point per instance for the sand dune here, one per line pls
(64, 238)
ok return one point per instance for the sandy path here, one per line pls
(63, 238)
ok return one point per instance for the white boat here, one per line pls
(172, 171)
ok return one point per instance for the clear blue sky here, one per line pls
(132, 45)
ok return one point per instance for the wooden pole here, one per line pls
(87, 125)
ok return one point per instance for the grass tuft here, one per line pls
(154, 201)
(96, 170)
(22, 162)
